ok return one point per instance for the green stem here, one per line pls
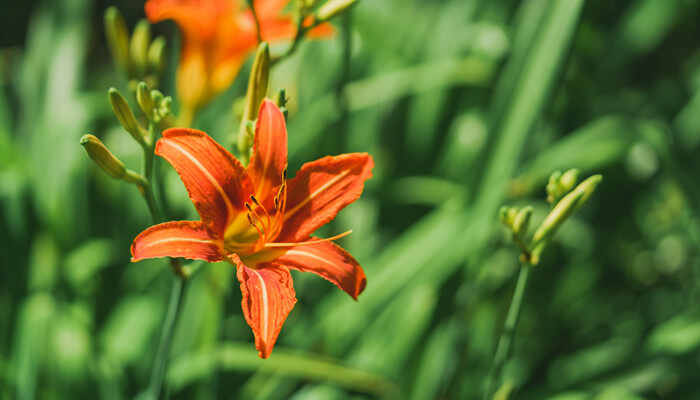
(161, 361)
(301, 31)
(166, 336)
(258, 32)
(506, 340)
(147, 186)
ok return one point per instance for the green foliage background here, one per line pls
(465, 105)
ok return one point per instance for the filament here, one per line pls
(330, 239)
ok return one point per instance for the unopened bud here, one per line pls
(117, 39)
(522, 220)
(332, 8)
(257, 88)
(569, 179)
(156, 55)
(140, 41)
(560, 213)
(143, 97)
(257, 84)
(553, 191)
(166, 105)
(587, 188)
(125, 115)
(97, 151)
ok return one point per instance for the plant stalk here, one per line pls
(506, 341)
(166, 336)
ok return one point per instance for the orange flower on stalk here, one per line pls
(217, 37)
(258, 220)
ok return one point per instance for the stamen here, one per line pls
(265, 228)
(267, 215)
(336, 237)
(250, 219)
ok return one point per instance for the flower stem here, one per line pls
(166, 336)
(506, 340)
(176, 292)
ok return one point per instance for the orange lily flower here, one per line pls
(258, 220)
(217, 37)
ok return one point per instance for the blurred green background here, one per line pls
(465, 105)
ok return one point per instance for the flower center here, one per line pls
(245, 236)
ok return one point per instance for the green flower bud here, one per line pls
(140, 41)
(568, 179)
(553, 190)
(97, 151)
(564, 208)
(257, 88)
(567, 205)
(143, 97)
(156, 55)
(332, 8)
(126, 116)
(522, 221)
(117, 35)
(587, 188)
(258, 81)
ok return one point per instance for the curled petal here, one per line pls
(329, 261)
(268, 297)
(188, 239)
(216, 181)
(320, 189)
(269, 152)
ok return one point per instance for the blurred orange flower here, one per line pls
(217, 37)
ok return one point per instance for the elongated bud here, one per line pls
(553, 190)
(140, 41)
(332, 8)
(507, 215)
(563, 210)
(567, 205)
(118, 39)
(257, 88)
(258, 81)
(156, 55)
(587, 188)
(143, 97)
(569, 179)
(522, 221)
(97, 151)
(125, 115)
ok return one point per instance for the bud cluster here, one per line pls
(138, 55)
(565, 197)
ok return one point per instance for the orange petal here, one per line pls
(270, 8)
(195, 18)
(329, 261)
(320, 189)
(193, 80)
(323, 31)
(269, 152)
(216, 181)
(188, 239)
(268, 297)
